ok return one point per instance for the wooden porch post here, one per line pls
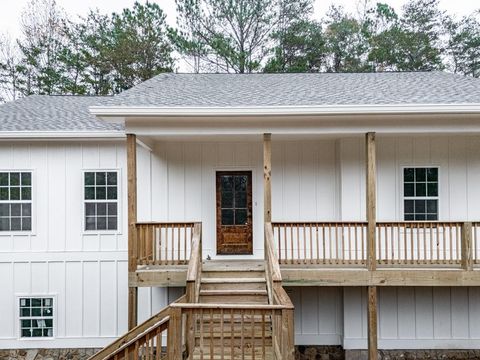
(267, 174)
(132, 219)
(467, 255)
(372, 323)
(371, 200)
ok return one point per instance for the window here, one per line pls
(420, 192)
(36, 317)
(15, 201)
(101, 200)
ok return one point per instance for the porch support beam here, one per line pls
(372, 323)
(371, 211)
(371, 184)
(267, 174)
(132, 220)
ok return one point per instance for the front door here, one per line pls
(234, 212)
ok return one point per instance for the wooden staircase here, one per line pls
(227, 334)
(231, 310)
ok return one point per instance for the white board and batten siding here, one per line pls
(85, 272)
(321, 179)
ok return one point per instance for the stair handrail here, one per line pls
(283, 339)
(162, 318)
(194, 270)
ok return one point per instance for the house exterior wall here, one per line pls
(321, 179)
(85, 272)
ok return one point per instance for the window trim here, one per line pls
(118, 231)
(403, 198)
(33, 201)
(18, 328)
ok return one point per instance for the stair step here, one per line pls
(238, 353)
(233, 274)
(232, 292)
(225, 299)
(234, 265)
(238, 286)
(232, 280)
(237, 341)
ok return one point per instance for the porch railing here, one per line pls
(397, 243)
(419, 243)
(149, 340)
(163, 243)
(332, 243)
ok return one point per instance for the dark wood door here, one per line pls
(234, 212)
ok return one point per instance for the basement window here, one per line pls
(15, 201)
(36, 317)
(420, 193)
(101, 200)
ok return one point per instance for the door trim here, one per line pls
(251, 174)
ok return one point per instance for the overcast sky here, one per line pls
(11, 9)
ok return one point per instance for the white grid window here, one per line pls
(101, 200)
(420, 192)
(15, 201)
(36, 317)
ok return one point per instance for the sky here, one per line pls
(12, 9)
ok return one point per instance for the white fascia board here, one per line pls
(62, 135)
(121, 111)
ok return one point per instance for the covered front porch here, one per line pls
(324, 227)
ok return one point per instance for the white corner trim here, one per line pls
(119, 111)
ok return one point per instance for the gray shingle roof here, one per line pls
(71, 113)
(54, 113)
(225, 90)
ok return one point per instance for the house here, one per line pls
(290, 209)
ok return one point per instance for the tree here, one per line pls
(302, 48)
(42, 41)
(411, 42)
(10, 70)
(463, 45)
(299, 41)
(140, 47)
(227, 36)
(346, 42)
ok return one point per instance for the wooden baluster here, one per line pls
(349, 228)
(418, 226)
(337, 244)
(222, 351)
(291, 242)
(385, 233)
(450, 235)
(252, 323)
(356, 243)
(211, 334)
(298, 243)
(201, 333)
(242, 327)
(412, 245)
(364, 229)
(392, 237)
(324, 243)
(263, 334)
(311, 244)
(286, 243)
(276, 230)
(330, 241)
(438, 243)
(179, 240)
(378, 237)
(232, 335)
(444, 243)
